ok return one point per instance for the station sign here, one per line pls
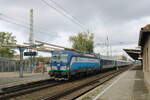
(30, 53)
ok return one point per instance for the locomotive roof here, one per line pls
(83, 54)
(64, 51)
(74, 53)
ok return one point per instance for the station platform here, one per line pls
(127, 86)
(12, 78)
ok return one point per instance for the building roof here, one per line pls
(133, 53)
(143, 36)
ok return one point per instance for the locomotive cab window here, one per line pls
(54, 57)
(60, 57)
(63, 57)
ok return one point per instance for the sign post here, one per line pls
(30, 53)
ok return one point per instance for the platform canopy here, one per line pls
(133, 53)
(144, 32)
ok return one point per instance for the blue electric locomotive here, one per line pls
(65, 64)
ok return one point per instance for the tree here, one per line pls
(83, 42)
(7, 38)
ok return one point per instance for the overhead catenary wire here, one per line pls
(21, 21)
(65, 15)
(63, 9)
(17, 22)
(11, 22)
(22, 25)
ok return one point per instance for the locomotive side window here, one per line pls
(74, 59)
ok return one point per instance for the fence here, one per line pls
(9, 65)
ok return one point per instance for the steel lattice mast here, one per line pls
(31, 35)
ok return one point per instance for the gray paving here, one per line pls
(12, 78)
(130, 86)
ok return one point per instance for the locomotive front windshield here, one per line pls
(59, 58)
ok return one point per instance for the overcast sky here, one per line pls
(120, 20)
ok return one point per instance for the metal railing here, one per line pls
(9, 65)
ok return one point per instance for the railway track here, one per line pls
(77, 90)
(14, 91)
(58, 89)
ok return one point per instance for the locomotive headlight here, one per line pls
(49, 68)
(54, 67)
(67, 67)
(63, 67)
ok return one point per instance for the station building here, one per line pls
(144, 42)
